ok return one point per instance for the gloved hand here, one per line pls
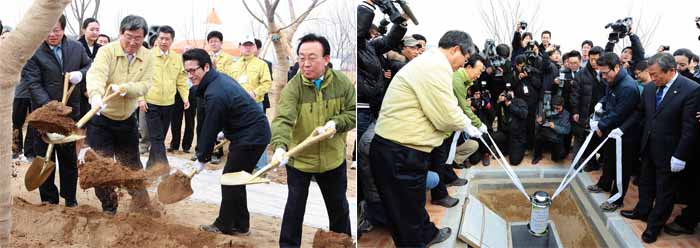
(473, 131)
(593, 124)
(220, 136)
(75, 77)
(598, 108)
(96, 101)
(119, 88)
(197, 167)
(280, 156)
(483, 128)
(616, 133)
(329, 127)
(81, 155)
(677, 164)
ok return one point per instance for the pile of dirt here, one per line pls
(103, 171)
(53, 117)
(329, 239)
(174, 188)
(86, 226)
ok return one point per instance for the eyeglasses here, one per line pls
(192, 70)
(309, 59)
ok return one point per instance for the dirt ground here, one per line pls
(568, 219)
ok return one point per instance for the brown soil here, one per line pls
(55, 226)
(329, 239)
(174, 188)
(571, 225)
(103, 171)
(53, 117)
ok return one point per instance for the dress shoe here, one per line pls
(609, 207)
(171, 150)
(486, 160)
(649, 236)
(634, 215)
(447, 202)
(536, 159)
(674, 229)
(595, 188)
(71, 203)
(442, 235)
(458, 182)
(186, 150)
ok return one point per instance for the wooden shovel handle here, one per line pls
(312, 139)
(220, 145)
(48, 155)
(94, 110)
(67, 96)
(66, 78)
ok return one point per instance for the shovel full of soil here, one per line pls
(176, 187)
(243, 178)
(99, 171)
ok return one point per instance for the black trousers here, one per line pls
(233, 212)
(557, 148)
(67, 169)
(437, 164)
(657, 187)
(511, 146)
(112, 138)
(690, 216)
(400, 173)
(176, 122)
(333, 185)
(21, 107)
(608, 180)
(158, 119)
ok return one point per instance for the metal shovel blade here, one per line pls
(174, 188)
(54, 138)
(241, 178)
(38, 172)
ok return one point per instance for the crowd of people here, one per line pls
(223, 96)
(424, 112)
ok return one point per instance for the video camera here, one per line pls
(387, 7)
(620, 29)
(494, 60)
(532, 58)
(523, 25)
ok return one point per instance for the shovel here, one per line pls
(55, 138)
(243, 178)
(177, 187)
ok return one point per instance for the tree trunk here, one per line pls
(280, 69)
(15, 50)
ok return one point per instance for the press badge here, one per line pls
(525, 89)
(243, 79)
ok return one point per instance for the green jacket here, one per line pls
(460, 84)
(302, 108)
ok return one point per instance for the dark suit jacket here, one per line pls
(672, 129)
(44, 75)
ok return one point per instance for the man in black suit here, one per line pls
(667, 114)
(44, 74)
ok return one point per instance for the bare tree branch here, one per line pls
(303, 16)
(253, 15)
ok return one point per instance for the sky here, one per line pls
(570, 22)
(187, 17)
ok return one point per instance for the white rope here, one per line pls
(506, 166)
(583, 165)
(580, 152)
(618, 170)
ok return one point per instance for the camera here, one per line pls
(492, 57)
(697, 24)
(383, 26)
(387, 7)
(665, 48)
(508, 97)
(620, 29)
(523, 25)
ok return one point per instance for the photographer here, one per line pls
(499, 72)
(632, 54)
(552, 131)
(683, 57)
(511, 112)
(545, 39)
(409, 49)
(528, 86)
(520, 40)
(591, 89)
(586, 46)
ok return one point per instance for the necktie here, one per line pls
(130, 57)
(59, 55)
(659, 95)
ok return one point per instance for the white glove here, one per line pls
(598, 108)
(615, 133)
(593, 124)
(220, 136)
(81, 155)
(75, 77)
(330, 125)
(483, 128)
(473, 131)
(677, 164)
(119, 88)
(280, 156)
(197, 167)
(96, 101)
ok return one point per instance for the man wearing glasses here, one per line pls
(419, 111)
(316, 100)
(124, 67)
(232, 111)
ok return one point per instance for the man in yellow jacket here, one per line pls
(125, 67)
(168, 78)
(221, 60)
(252, 73)
(419, 111)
